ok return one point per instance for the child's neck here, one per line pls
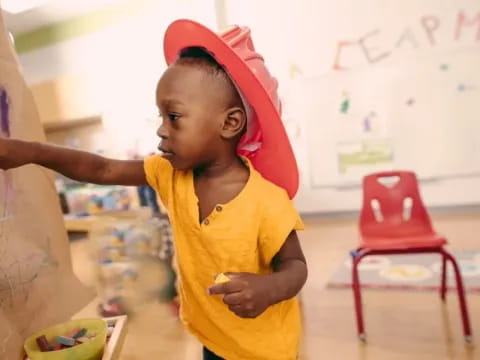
(219, 183)
(221, 167)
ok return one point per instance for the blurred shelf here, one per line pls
(86, 223)
(78, 224)
(71, 124)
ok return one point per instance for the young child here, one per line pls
(226, 217)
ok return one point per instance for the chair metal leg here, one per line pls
(461, 297)
(357, 296)
(443, 288)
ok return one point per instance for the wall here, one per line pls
(88, 137)
(345, 66)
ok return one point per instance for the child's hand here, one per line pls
(247, 295)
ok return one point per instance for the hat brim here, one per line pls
(275, 159)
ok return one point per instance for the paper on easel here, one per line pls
(37, 284)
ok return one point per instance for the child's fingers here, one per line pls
(225, 288)
(233, 299)
(216, 289)
(238, 310)
(233, 275)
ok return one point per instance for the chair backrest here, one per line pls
(392, 206)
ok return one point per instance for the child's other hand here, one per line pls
(247, 295)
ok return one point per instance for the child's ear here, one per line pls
(234, 123)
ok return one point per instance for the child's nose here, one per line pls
(162, 132)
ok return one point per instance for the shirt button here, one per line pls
(206, 222)
(219, 208)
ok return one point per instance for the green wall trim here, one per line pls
(77, 26)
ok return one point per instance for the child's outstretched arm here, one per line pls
(249, 295)
(75, 164)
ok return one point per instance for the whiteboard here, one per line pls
(421, 114)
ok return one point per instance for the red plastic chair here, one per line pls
(391, 227)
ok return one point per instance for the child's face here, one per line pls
(192, 105)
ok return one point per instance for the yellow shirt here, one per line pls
(240, 236)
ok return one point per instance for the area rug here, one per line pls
(420, 272)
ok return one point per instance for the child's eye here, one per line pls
(173, 117)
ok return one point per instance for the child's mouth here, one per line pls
(166, 153)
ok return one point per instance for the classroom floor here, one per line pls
(399, 324)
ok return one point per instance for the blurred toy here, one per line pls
(127, 247)
(166, 249)
(92, 199)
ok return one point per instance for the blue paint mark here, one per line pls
(4, 120)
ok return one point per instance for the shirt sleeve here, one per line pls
(279, 219)
(159, 175)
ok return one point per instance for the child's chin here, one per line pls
(177, 162)
(178, 165)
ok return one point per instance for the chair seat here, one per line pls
(402, 243)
